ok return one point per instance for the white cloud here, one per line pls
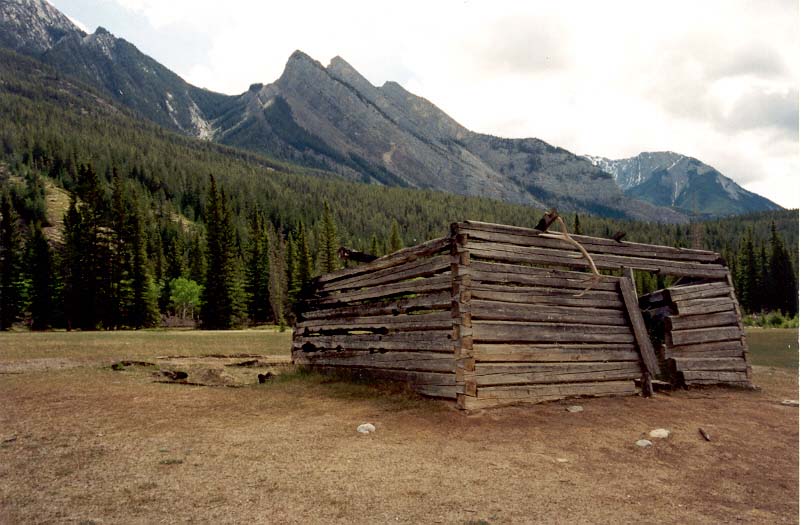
(717, 79)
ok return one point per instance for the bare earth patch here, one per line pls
(88, 444)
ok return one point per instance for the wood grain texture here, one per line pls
(647, 353)
(483, 352)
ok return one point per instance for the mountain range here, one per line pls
(331, 118)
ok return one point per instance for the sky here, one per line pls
(715, 80)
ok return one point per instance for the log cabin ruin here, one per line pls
(493, 315)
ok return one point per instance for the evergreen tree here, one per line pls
(374, 248)
(278, 282)
(577, 225)
(257, 271)
(305, 259)
(9, 264)
(329, 248)
(292, 269)
(144, 311)
(217, 311)
(783, 283)
(747, 273)
(395, 242)
(40, 270)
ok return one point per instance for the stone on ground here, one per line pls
(643, 443)
(575, 408)
(659, 433)
(365, 428)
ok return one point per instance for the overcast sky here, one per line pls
(716, 80)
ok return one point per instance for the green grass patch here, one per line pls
(773, 346)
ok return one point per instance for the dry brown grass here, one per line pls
(94, 445)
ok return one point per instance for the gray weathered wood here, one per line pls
(704, 306)
(416, 361)
(504, 311)
(714, 376)
(546, 277)
(638, 326)
(422, 267)
(698, 291)
(731, 364)
(505, 374)
(435, 301)
(545, 296)
(702, 335)
(731, 348)
(685, 322)
(526, 236)
(505, 395)
(393, 259)
(509, 332)
(428, 321)
(484, 352)
(419, 286)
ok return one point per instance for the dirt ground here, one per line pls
(82, 443)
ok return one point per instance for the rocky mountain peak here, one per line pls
(33, 26)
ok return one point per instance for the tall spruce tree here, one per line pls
(257, 270)
(143, 311)
(747, 272)
(278, 281)
(329, 242)
(40, 271)
(305, 259)
(782, 283)
(395, 243)
(9, 264)
(217, 310)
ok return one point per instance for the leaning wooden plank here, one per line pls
(705, 306)
(686, 322)
(435, 301)
(503, 311)
(701, 335)
(432, 284)
(432, 321)
(484, 352)
(710, 363)
(698, 291)
(418, 361)
(491, 375)
(710, 375)
(539, 393)
(574, 259)
(638, 325)
(505, 332)
(546, 296)
(393, 259)
(596, 245)
(425, 267)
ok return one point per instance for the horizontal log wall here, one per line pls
(494, 315)
(704, 337)
(389, 319)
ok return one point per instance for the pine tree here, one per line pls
(329, 242)
(395, 242)
(292, 269)
(144, 311)
(374, 248)
(747, 273)
(40, 271)
(257, 271)
(218, 309)
(577, 225)
(305, 259)
(278, 282)
(9, 264)
(783, 282)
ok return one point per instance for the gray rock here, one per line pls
(659, 433)
(575, 408)
(790, 402)
(643, 443)
(365, 428)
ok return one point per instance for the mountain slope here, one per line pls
(671, 179)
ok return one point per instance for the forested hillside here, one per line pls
(146, 231)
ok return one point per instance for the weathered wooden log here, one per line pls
(349, 254)
(423, 267)
(686, 322)
(629, 294)
(437, 342)
(487, 374)
(702, 335)
(732, 348)
(434, 301)
(526, 237)
(705, 306)
(573, 259)
(505, 395)
(698, 291)
(394, 259)
(546, 296)
(504, 311)
(712, 377)
(731, 364)
(483, 352)
(419, 286)
(509, 332)
(429, 321)
(414, 361)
